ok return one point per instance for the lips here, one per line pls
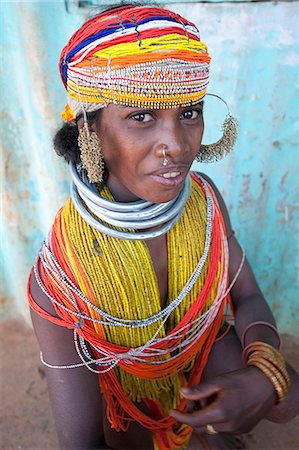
(181, 168)
(170, 176)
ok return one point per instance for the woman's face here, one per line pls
(133, 140)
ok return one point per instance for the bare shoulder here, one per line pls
(55, 340)
(221, 203)
(40, 297)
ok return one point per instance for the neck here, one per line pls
(119, 192)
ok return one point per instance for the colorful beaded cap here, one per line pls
(135, 56)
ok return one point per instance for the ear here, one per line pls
(93, 125)
(80, 123)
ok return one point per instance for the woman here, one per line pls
(141, 266)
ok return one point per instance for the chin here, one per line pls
(162, 197)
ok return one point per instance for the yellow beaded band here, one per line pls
(141, 57)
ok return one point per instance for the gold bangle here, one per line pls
(270, 361)
(271, 377)
(264, 345)
(275, 372)
(260, 346)
(277, 362)
(269, 353)
(280, 365)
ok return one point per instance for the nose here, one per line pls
(171, 142)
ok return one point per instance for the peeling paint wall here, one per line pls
(255, 68)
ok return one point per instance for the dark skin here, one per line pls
(230, 397)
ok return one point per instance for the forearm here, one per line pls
(249, 303)
(253, 309)
(77, 408)
(289, 408)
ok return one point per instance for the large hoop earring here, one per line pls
(216, 151)
(91, 154)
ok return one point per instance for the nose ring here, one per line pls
(165, 160)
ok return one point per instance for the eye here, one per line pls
(142, 117)
(191, 114)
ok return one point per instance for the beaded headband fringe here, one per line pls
(134, 56)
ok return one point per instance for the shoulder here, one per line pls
(38, 297)
(38, 300)
(221, 203)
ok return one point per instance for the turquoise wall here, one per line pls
(255, 68)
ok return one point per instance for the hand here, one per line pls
(233, 403)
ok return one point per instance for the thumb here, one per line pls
(200, 391)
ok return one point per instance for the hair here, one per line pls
(66, 138)
(66, 143)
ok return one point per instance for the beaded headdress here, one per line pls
(137, 56)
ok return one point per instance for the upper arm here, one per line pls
(248, 300)
(246, 284)
(74, 393)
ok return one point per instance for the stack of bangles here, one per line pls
(270, 361)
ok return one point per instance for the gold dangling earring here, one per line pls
(91, 154)
(214, 152)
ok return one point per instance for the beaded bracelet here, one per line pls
(270, 361)
(266, 324)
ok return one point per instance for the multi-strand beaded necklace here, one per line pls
(106, 290)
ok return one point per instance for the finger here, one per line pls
(200, 391)
(218, 428)
(190, 406)
(195, 405)
(211, 414)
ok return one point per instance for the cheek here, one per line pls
(110, 159)
(202, 127)
(199, 135)
(194, 137)
(118, 157)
